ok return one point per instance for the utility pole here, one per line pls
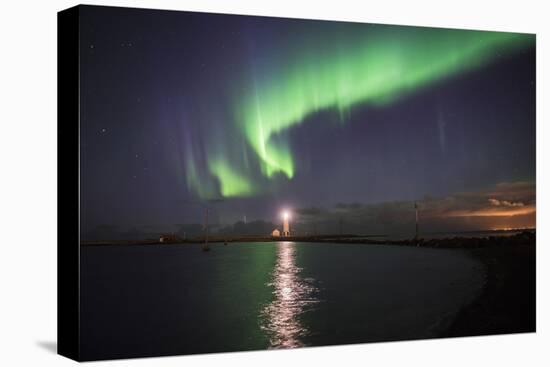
(205, 247)
(416, 215)
(205, 206)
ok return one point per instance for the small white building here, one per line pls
(168, 238)
(276, 233)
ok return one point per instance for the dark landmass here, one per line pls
(451, 242)
(346, 238)
(507, 303)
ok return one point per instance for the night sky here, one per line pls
(343, 124)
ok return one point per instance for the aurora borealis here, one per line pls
(377, 69)
(269, 112)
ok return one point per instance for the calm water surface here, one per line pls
(175, 299)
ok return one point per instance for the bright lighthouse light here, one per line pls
(286, 225)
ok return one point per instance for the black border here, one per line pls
(68, 213)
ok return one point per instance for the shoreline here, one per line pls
(507, 301)
(521, 238)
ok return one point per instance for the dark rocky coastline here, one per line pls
(507, 303)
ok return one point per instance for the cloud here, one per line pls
(496, 202)
(310, 212)
(504, 200)
(504, 205)
(348, 206)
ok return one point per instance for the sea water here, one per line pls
(176, 299)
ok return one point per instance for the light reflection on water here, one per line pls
(292, 296)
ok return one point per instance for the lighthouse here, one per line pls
(286, 226)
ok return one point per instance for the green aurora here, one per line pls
(376, 67)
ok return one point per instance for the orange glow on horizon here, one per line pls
(513, 229)
(494, 212)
